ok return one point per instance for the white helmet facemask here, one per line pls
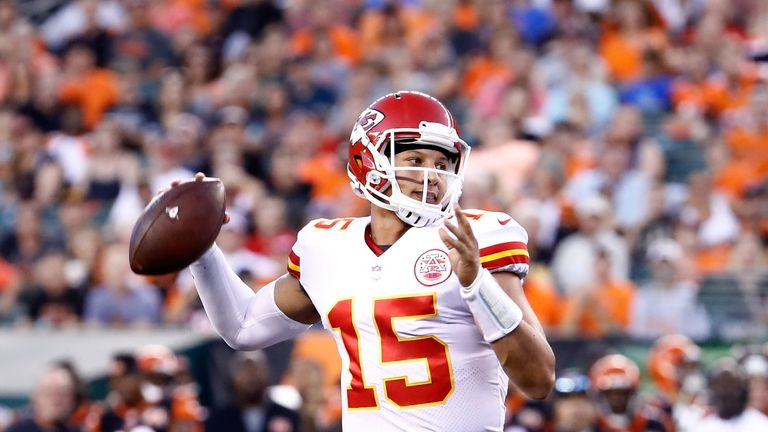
(415, 212)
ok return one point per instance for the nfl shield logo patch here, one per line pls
(432, 267)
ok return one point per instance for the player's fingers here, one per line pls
(462, 220)
(449, 241)
(199, 176)
(466, 227)
(226, 218)
(453, 229)
(175, 183)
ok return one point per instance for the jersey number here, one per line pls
(395, 349)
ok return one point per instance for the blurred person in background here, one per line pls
(26, 242)
(573, 264)
(572, 407)
(83, 83)
(748, 264)
(601, 309)
(142, 41)
(121, 299)
(615, 381)
(729, 399)
(674, 363)
(85, 413)
(51, 302)
(252, 410)
(232, 241)
(625, 187)
(126, 407)
(708, 213)
(320, 406)
(667, 303)
(53, 402)
(107, 163)
(167, 390)
(755, 365)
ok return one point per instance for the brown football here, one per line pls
(177, 226)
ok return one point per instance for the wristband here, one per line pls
(495, 313)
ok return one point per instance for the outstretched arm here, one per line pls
(503, 314)
(245, 319)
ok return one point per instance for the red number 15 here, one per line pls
(395, 349)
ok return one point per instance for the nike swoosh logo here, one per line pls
(503, 222)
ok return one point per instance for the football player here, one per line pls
(424, 299)
(615, 380)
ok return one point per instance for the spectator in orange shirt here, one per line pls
(626, 39)
(93, 89)
(602, 308)
(344, 40)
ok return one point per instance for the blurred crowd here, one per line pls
(629, 137)
(153, 390)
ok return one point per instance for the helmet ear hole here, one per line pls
(358, 161)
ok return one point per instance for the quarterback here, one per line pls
(424, 299)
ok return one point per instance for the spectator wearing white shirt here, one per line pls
(667, 303)
(573, 263)
(729, 394)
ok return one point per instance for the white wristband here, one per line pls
(495, 313)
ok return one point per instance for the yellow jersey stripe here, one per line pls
(503, 254)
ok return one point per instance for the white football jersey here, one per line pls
(413, 358)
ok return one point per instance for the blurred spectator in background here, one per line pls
(52, 404)
(667, 303)
(252, 411)
(121, 299)
(125, 405)
(166, 388)
(729, 397)
(615, 382)
(573, 264)
(572, 407)
(755, 365)
(674, 364)
(232, 242)
(51, 301)
(601, 309)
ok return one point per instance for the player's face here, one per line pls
(412, 182)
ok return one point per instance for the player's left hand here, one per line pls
(462, 248)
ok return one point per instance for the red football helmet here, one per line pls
(405, 118)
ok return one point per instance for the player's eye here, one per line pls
(414, 161)
(441, 166)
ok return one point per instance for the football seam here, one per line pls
(141, 240)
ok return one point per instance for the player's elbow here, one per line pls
(540, 387)
(238, 343)
(538, 380)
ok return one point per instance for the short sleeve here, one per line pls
(503, 243)
(294, 257)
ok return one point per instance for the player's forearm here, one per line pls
(243, 318)
(528, 360)
(508, 323)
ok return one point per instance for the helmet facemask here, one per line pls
(382, 189)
